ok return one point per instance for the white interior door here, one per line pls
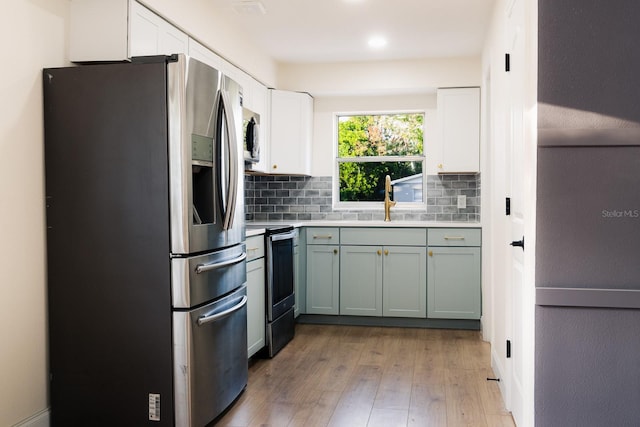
(521, 173)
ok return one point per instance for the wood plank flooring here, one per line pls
(370, 376)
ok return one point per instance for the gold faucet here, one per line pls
(387, 202)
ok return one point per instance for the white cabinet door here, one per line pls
(405, 281)
(459, 128)
(116, 30)
(291, 130)
(323, 279)
(256, 322)
(149, 34)
(361, 280)
(204, 54)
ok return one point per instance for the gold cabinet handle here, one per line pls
(440, 166)
(379, 252)
(453, 237)
(430, 253)
(252, 249)
(335, 251)
(386, 252)
(275, 166)
(328, 236)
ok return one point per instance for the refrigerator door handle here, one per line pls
(212, 318)
(232, 147)
(203, 268)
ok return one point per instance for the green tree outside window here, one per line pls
(373, 146)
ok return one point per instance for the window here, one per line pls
(369, 147)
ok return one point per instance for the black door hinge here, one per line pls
(508, 349)
(507, 62)
(508, 206)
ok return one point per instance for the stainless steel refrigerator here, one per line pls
(145, 231)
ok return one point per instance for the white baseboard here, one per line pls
(498, 370)
(41, 419)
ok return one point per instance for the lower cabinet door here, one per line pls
(453, 283)
(256, 322)
(361, 280)
(323, 275)
(404, 281)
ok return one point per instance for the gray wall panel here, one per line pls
(588, 232)
(589, 371)
(588, 58)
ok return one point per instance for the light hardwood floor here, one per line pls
(369, 376)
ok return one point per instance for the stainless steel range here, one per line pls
(279, 242)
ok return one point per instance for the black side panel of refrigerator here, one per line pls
(108, 245)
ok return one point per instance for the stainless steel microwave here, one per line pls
(251, 136)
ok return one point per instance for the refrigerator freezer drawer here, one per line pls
(210, 358)
(198, 279)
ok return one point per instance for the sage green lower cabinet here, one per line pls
(296, 279)
(453, 274)
(404, 287)
(323, 279)
(387, 279)
(361, 280)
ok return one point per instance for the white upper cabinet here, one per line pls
(149, 34)
(459, 128)
(116, 30)
(206, 55)
(291, 133)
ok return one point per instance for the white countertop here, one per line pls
(255, 228)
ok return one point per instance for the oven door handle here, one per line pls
(282, 236)
(202, 268)
(206, 319)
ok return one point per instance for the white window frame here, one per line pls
(376, 206)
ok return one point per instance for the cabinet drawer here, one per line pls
(255, 247)
(323, 236)
(454, 237)
(383, 236)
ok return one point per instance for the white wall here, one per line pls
(390, 77)
(324, 123)
(375, 86)
(33, 36)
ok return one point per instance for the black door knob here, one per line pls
(518, 243)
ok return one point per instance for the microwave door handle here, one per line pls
(203, 268)
(206, 319)
(231, 141)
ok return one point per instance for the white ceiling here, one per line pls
(311, 31)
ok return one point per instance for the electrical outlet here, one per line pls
(462, 202)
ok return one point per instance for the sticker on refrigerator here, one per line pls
(154, 407)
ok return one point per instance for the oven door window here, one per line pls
(282, 270)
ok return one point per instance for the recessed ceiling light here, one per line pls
(377, 42)
(249, 7)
